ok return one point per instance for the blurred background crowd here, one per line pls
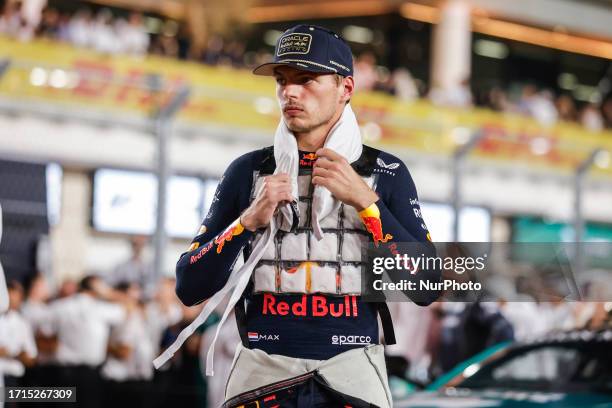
(121, 32)
(501, 110)
(101, 334)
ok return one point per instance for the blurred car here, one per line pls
(569, 369)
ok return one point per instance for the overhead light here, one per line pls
(271, 36)
(491, 49)
(560, 39)
(544, 38)
(567, 81)
(540, 146)
(264, 105)
(595, 97)
(153, 25)
(584, 93)
(170, 28)
(58, 78)
(73, 79)
(358, 34)
(38, 76)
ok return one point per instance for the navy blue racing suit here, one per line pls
(205, 268)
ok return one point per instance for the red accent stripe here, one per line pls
(270, 398)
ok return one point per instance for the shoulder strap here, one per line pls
(386, 322)
(241, 322)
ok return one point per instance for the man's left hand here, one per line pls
(335, 173)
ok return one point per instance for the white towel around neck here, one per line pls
(345, 139)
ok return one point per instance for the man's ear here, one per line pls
(348, 84)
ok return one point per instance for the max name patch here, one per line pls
(296, 43)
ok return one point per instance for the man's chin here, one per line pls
(295, 126)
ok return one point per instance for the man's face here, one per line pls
(15, 298)
(307, 100)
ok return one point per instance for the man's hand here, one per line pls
(276, 189)
(335, 173)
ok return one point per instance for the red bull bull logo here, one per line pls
(235, 229)
(374, 227)
(371, 220)
(308, 159)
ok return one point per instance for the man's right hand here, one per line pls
(276, 189)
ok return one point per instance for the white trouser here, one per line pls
(360, 372)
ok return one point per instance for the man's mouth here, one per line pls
(292, 110)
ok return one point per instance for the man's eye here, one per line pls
(305, 80)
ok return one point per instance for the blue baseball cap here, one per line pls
(310, 48)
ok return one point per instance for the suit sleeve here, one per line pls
(205, 267)
(400, 216)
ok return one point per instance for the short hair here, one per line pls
(29, 283)
(123, 286)
(87, 282)
(14, 285)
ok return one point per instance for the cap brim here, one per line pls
(267, 69)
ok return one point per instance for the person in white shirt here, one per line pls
(135, 269)
(163, 311)
(80, 29)
(105, 39)
(83, 323)
(10, 20)
(17, 345)
(134, 38)
(36, 311)
(128, 368)
(31, 12)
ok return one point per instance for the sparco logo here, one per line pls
(352, 340)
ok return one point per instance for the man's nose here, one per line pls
(291, 91)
